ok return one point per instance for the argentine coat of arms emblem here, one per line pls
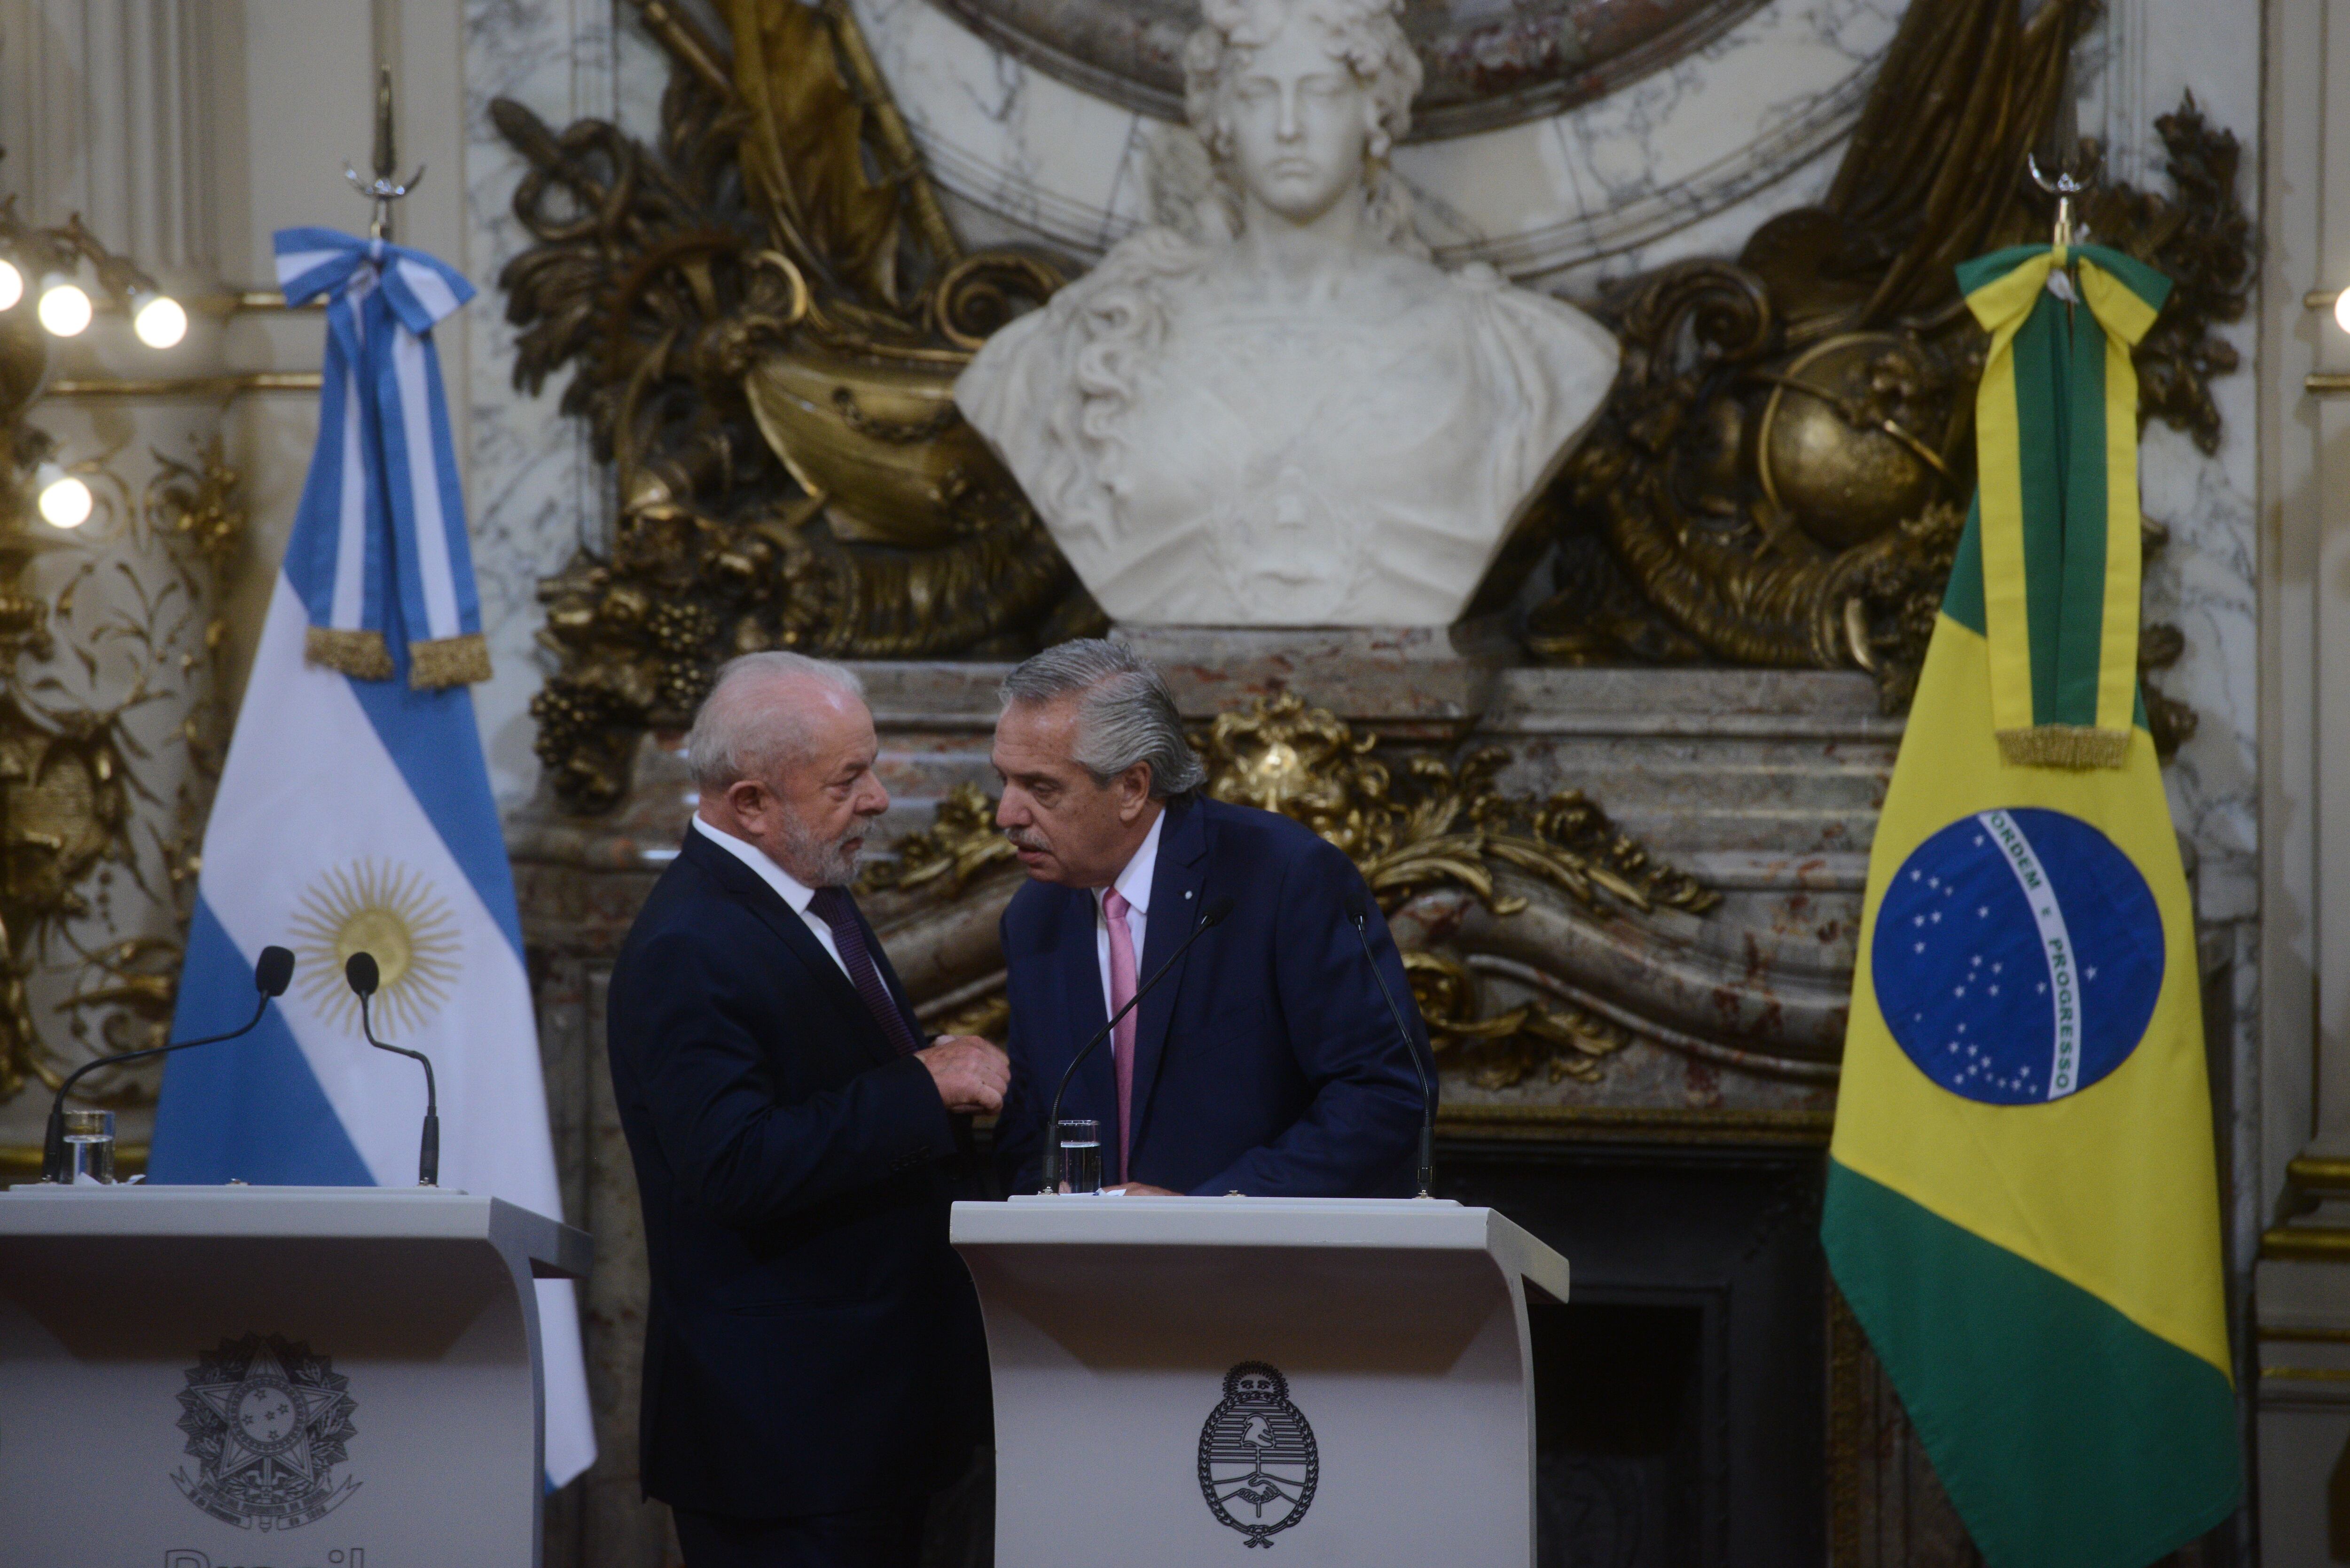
(1258, 1463)
(267, 1421)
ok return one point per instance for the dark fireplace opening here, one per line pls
(1681, 1393)
(1617, 1415)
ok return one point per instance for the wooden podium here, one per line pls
(1179, 1381)
(302, 1376)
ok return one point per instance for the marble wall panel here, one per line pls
(2142, 59)
(534, 490)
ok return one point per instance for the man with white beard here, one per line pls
(815, 1366)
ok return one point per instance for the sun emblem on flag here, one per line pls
(391, 911)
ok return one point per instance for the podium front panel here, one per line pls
(210, 1378)
(1182, 1382)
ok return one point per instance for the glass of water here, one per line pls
(1081, 1157)
(89, 1147)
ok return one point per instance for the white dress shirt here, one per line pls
(793, 891)
(1134, 883)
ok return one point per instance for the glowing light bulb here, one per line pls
(2341, 310)
(65, 308)
(65, 502)
(11, 285)
(159, 321)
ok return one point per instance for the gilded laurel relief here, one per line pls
(1422, 827)
(110, 736)
(763, 310)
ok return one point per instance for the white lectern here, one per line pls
(301, 1376)
(1181, 1380)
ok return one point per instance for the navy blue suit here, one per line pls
(813, 1345)
(1265, 1062)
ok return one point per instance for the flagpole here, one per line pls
(386, 187)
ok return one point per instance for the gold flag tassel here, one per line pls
(2063, 746)
(447, 661)
(361, 655)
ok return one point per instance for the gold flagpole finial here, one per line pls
(386, 187)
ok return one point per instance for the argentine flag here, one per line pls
(354, 814)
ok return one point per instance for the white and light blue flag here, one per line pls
(354, 814)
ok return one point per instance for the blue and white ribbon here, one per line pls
(378, 553)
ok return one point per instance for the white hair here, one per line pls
(1125, 713)
(741, 734)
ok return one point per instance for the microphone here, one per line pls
(1210, 917)
(1355, 916)
(361, 971)
(270, 977)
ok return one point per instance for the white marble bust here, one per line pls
(1271, 409)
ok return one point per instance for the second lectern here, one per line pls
(1183, 1381)
(298, 1377)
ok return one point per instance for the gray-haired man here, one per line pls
(1266, 1061)
(813, 1359)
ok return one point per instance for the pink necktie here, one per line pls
(1121, 1040)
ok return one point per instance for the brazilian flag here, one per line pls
(2022, 1203)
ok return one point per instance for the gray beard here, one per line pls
(830, 861)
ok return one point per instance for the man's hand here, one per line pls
(1144, 1190)
(971, 1074)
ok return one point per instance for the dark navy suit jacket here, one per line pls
(812, 1343)
(1265, 1062)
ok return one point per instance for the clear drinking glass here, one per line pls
(1081, 1157)
(89, 1147)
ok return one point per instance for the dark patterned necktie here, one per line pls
(836, 908)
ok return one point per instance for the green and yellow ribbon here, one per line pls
(2056, 446)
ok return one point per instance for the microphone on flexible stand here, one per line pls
(1355, 916)
(361, 972)
(1210, 917)
(270, 976)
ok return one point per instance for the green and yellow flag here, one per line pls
(2022, 1205)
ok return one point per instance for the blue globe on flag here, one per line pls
(2018, 956)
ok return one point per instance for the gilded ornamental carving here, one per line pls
(764, 312)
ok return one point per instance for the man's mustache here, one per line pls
(1022, 839)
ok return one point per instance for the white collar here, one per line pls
(793, 891)
(1134, 883)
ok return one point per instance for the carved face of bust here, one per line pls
(1299, 122)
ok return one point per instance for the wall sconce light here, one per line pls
(65, 308)
(65, 499)
(58, 257)
(158, 319)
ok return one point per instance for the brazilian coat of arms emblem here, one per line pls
(1258, 1463)
(267, 1421)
